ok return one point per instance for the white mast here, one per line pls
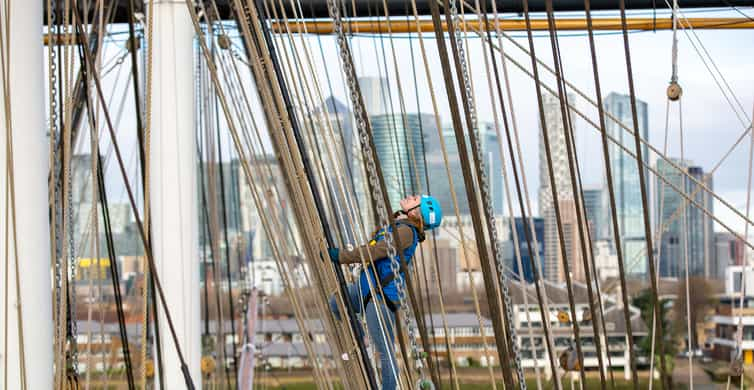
(30, 152)
(174, 187)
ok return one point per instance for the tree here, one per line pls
(645, 302)
(701, 298)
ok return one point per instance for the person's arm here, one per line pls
(377, 251)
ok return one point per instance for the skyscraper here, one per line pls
(555, 135)
(596, 212)
(438, 176)
(375, 92)
(729, 251)
(490, 149)
(526, 260)
(670, 204)
(625, 175)
(400, 149)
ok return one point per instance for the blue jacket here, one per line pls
(383, 265)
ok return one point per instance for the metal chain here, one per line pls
(487, 200)
(371, 170)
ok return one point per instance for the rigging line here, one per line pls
(274, 185)
(620, 123)
(387, 100)
(419, 312)
(611, 194)
(303, 94)
(346, 147)
(89, 63)
(642, 185)
(400, 188)
(227, 244)
(740, 325)
(576, 193)
(322, 311)
(542, 300)
(532, 237)
(463, 71)
(553, 188)
(204, 235)
(377, 182)
(593, 264)
(339, 274)
(685, 228)
(469, 183)
(451, 358)
(212, 220)
(712, 61)
(109, 238)
(645, 166)
(10, 192)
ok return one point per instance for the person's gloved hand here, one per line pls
(334, 255)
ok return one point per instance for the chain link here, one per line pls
(371, 169)
(486, 198)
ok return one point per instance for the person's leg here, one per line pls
(384, 342)
(354, 294)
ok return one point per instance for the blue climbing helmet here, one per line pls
(431, 212)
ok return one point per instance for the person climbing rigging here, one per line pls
(417, 215)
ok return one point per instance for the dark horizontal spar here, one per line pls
(398, 8)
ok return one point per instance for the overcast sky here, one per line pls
(710, 124)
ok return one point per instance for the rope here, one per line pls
(740, 327)
(468, 180)
(10, 192)
(541, 298)
(645, 204)
(568, 132)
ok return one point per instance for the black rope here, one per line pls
(525, 220)
(223, 205)
(434, 232)
(492, 301)
(352, 319)
(554, 192)
(113, 260)
(114, 274)
(89, 63)
(611, 194)
(577, 195)
(644, 199)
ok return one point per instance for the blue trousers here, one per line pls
(383, 341)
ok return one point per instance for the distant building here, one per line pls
(699, 230)
(554, 267)
(605, 261)
(625, 174)
(375, 92)
(400, 149)
(438, 176)
(729, 314)
(597, 213)
(728, 251)
(281, 342)
(538, 248)
(562, 176)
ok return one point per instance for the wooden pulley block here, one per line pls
(563, 317)
(223, 41)
(208, 365)
(674, 91)
(149, 368)
(586, 315)
(569, 360)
